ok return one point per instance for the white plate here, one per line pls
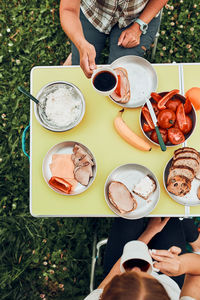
(66, 148)
(142, 78)
(130, 175)
(189, 199)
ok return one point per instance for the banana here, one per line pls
(128, 135)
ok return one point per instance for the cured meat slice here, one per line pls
(62, 167)
(122, 93)
(121, 197)
(83, 174)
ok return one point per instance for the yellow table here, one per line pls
(96, 131)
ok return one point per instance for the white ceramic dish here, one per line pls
(130, 175)
(66, 148)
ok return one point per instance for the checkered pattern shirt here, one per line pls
(104, 14)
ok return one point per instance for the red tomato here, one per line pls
(166, 118)
(187, 106)
(188, 127)
(173, 104)
(163, 133)
(175, 136)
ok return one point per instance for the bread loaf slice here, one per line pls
(179, 185)
(187, 154)
(188, 162)
(198, 174)
(145, 187)
(180, 171)
(185, 149)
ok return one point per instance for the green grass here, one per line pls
(35, 251)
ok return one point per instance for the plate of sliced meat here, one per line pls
(137, 79)
(69, 168)
(182, 176)
(132, 191)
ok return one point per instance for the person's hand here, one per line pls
(87, 58)
(130, 37)
(168, 261)
(156, 225)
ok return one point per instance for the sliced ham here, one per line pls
(122, 93)
(83, 174)
(83, 165)
(121, 197)
(62, 166)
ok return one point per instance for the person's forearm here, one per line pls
(191, 286)
(70, 22)
(151, 10)
(190, 263)
(146, 236)
(114, 271)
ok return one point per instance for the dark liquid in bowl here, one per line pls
(131, 263)
(104, 81)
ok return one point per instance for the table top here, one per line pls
(96, 131)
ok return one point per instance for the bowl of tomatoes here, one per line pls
(176, 118)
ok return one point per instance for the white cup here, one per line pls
(136, 250)
(103, 69)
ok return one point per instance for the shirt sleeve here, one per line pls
(95, 295)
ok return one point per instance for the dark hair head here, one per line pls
(134, 286)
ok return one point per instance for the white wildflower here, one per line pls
(18, 62)
(192, 29)
(8, 29)
(172, 23)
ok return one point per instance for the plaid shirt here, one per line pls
(104, 14)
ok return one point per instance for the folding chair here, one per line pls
(156, 37)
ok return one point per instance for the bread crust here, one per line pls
(179, 185)
(188, 162)
(145, 198)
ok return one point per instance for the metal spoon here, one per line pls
(22, 90)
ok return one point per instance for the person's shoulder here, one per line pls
(94, 295)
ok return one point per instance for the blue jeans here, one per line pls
(98, 39)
